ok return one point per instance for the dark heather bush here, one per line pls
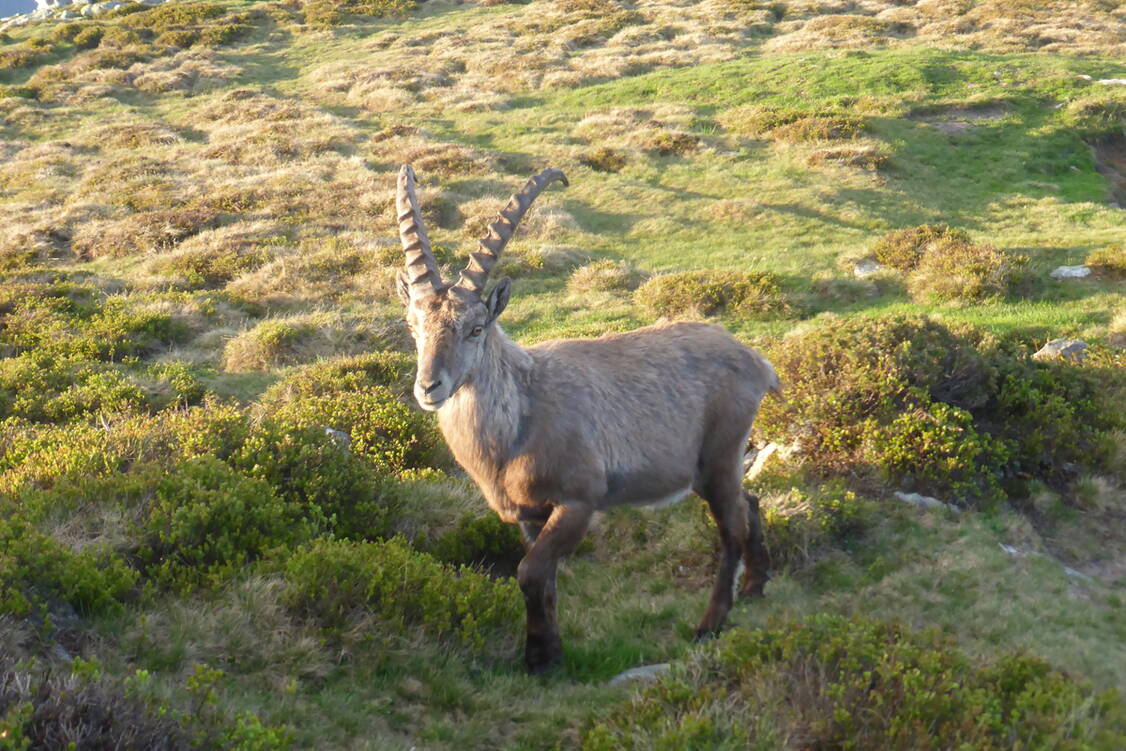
(483, 541)
(902, 248)
(829, 682)
(409, 593)
(57, 711)
(712, 292)
(947, 410)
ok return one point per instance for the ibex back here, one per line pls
(555, 432)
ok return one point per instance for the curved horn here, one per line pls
(501, 229)
(422, 269)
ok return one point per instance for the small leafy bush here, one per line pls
(832, 682)
(903, 248)
(20, 57)
(207, 521)
(961, 272)
(712, 292)
(309, 468)
(36, 569)
(409, 593)
(382, 429)
(324, 14)
(88, 37)
(945, 409)
(603, 159)
(1109, 260)
(800, 523)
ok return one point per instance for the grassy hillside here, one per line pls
(197, 260)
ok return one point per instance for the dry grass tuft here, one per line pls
(214, 257)
(605, 276)
(305, 338)
(144, 232)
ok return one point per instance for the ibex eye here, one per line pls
(476, 331)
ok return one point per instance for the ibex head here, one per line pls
(451, 323)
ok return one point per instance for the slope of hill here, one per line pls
(198, 253)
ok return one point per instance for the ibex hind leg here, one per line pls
(725, 499)
(756, 557)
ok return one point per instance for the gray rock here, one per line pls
(1112, 81)
(866, 267)
(1070, 349)
(645, 673)
(66, 15)
(1070, 272)
(925, 501)
(339, 437)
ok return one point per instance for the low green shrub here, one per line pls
(603, 159)
(21, 57)
(800, 523)
(832, 682)
(393, 370)
(310, 468)
(174, 15)
(324, 14)
(409, 593)
(901, 249)
(43, 386)
(182, 38)
(961, 272)
(207, 521)
(381, 429)
(211, 266)
(88, 37)
(712, 292)
(36, 569)
(945, 409)
(1109, 260)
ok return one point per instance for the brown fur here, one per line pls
(560, 430)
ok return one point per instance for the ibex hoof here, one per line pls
(705, 634)
(543, 656)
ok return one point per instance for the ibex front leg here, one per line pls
(536, 574)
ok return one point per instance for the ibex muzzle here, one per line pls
(555, 432)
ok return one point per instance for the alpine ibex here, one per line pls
(555, 432)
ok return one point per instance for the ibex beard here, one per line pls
(555, 432)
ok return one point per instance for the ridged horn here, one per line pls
(422, 269)
(500, 231)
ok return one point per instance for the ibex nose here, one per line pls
(430, 389)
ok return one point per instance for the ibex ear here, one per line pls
(498, 298)
(402, 286)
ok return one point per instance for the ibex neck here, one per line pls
(483, 420)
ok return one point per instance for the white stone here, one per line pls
(866, 267)
(1112, 81)
(68, 14)
(645, 673)
(925, 501)
(1071, 349)
(1070, 272)
(758, 461)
